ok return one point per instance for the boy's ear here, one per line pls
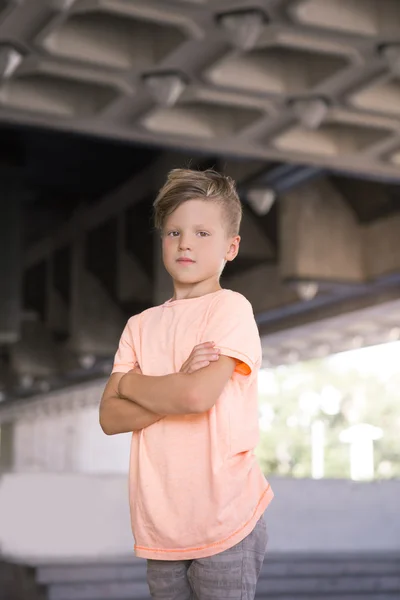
(233, 248)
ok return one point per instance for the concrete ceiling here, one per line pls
(314, 82)
(350, 331)
(297, 100)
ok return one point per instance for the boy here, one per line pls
(185, 382)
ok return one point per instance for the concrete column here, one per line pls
(320, 238)
(10, 261)
(133, 283)
(382, 246)
(163, 286)
(6, 447)
(91, 332)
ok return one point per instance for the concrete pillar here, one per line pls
(320, 238)
(263, 287)
(92, 333)
(381, 243)
(6, 447)
(163, 286)
(10, 261)
(254, 243)
(133, 283)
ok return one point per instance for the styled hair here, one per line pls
(183, 185)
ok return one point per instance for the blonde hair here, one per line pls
(183, 185)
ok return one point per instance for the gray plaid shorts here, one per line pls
(230, 575)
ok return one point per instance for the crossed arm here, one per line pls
(133, 401)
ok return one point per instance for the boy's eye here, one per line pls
(203, 233)
(172, 233)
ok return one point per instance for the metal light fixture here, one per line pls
(391, 53)
(307, 290)
(87, 361)
(63, 5)
(394, 334)
(10, 59)
(44, 386)
(244, 27)
(311, 112)
(165, 88)
(261, 200)
(356, 342)
(26, 381)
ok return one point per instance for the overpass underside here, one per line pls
(320, 280)
(297, 100)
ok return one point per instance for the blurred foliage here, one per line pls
(340, 393)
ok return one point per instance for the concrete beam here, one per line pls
(242, 170)
(141, 185)
(6, 447)
(254, 243)
(382, 247)
(162, 287)
(263, 287)
(57, 313)
(96, 322)
(321, 308)
(10, 261)
(320, 238)
(35, 354)
(132, 281)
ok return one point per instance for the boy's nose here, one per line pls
(184, 244)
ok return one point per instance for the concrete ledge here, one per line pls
(75, 517)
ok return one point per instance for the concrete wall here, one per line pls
(68, 441)
(382, 246)
(47, 516)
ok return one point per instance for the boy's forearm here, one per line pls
(165, 395)
(120, 415)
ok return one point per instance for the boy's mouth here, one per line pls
(185, 260)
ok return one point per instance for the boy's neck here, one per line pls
(202, 288)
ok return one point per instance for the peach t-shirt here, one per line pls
(195, 486)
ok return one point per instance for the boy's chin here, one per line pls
(189, 278)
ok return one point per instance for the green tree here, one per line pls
(293, 397)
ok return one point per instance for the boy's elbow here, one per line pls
(197, 402)
(106, 423)
(105, 427)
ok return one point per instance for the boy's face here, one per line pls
(196, 244)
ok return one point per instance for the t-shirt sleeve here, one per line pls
(232, 326)
(125, 356)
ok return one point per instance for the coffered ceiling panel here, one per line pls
(312, 82)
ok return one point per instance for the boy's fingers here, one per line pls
(203, 357)
(199, 365)
(204, 345)
(205, 351)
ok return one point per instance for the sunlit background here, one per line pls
(335, 417)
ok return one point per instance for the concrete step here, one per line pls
(283, 577)
(306, 586)
(274, 566)
(378, 596)
(331, 565)
(330, 585)
(115, 590)
(17, 582)
(85, 572)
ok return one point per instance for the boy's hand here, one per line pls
(201, 356)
